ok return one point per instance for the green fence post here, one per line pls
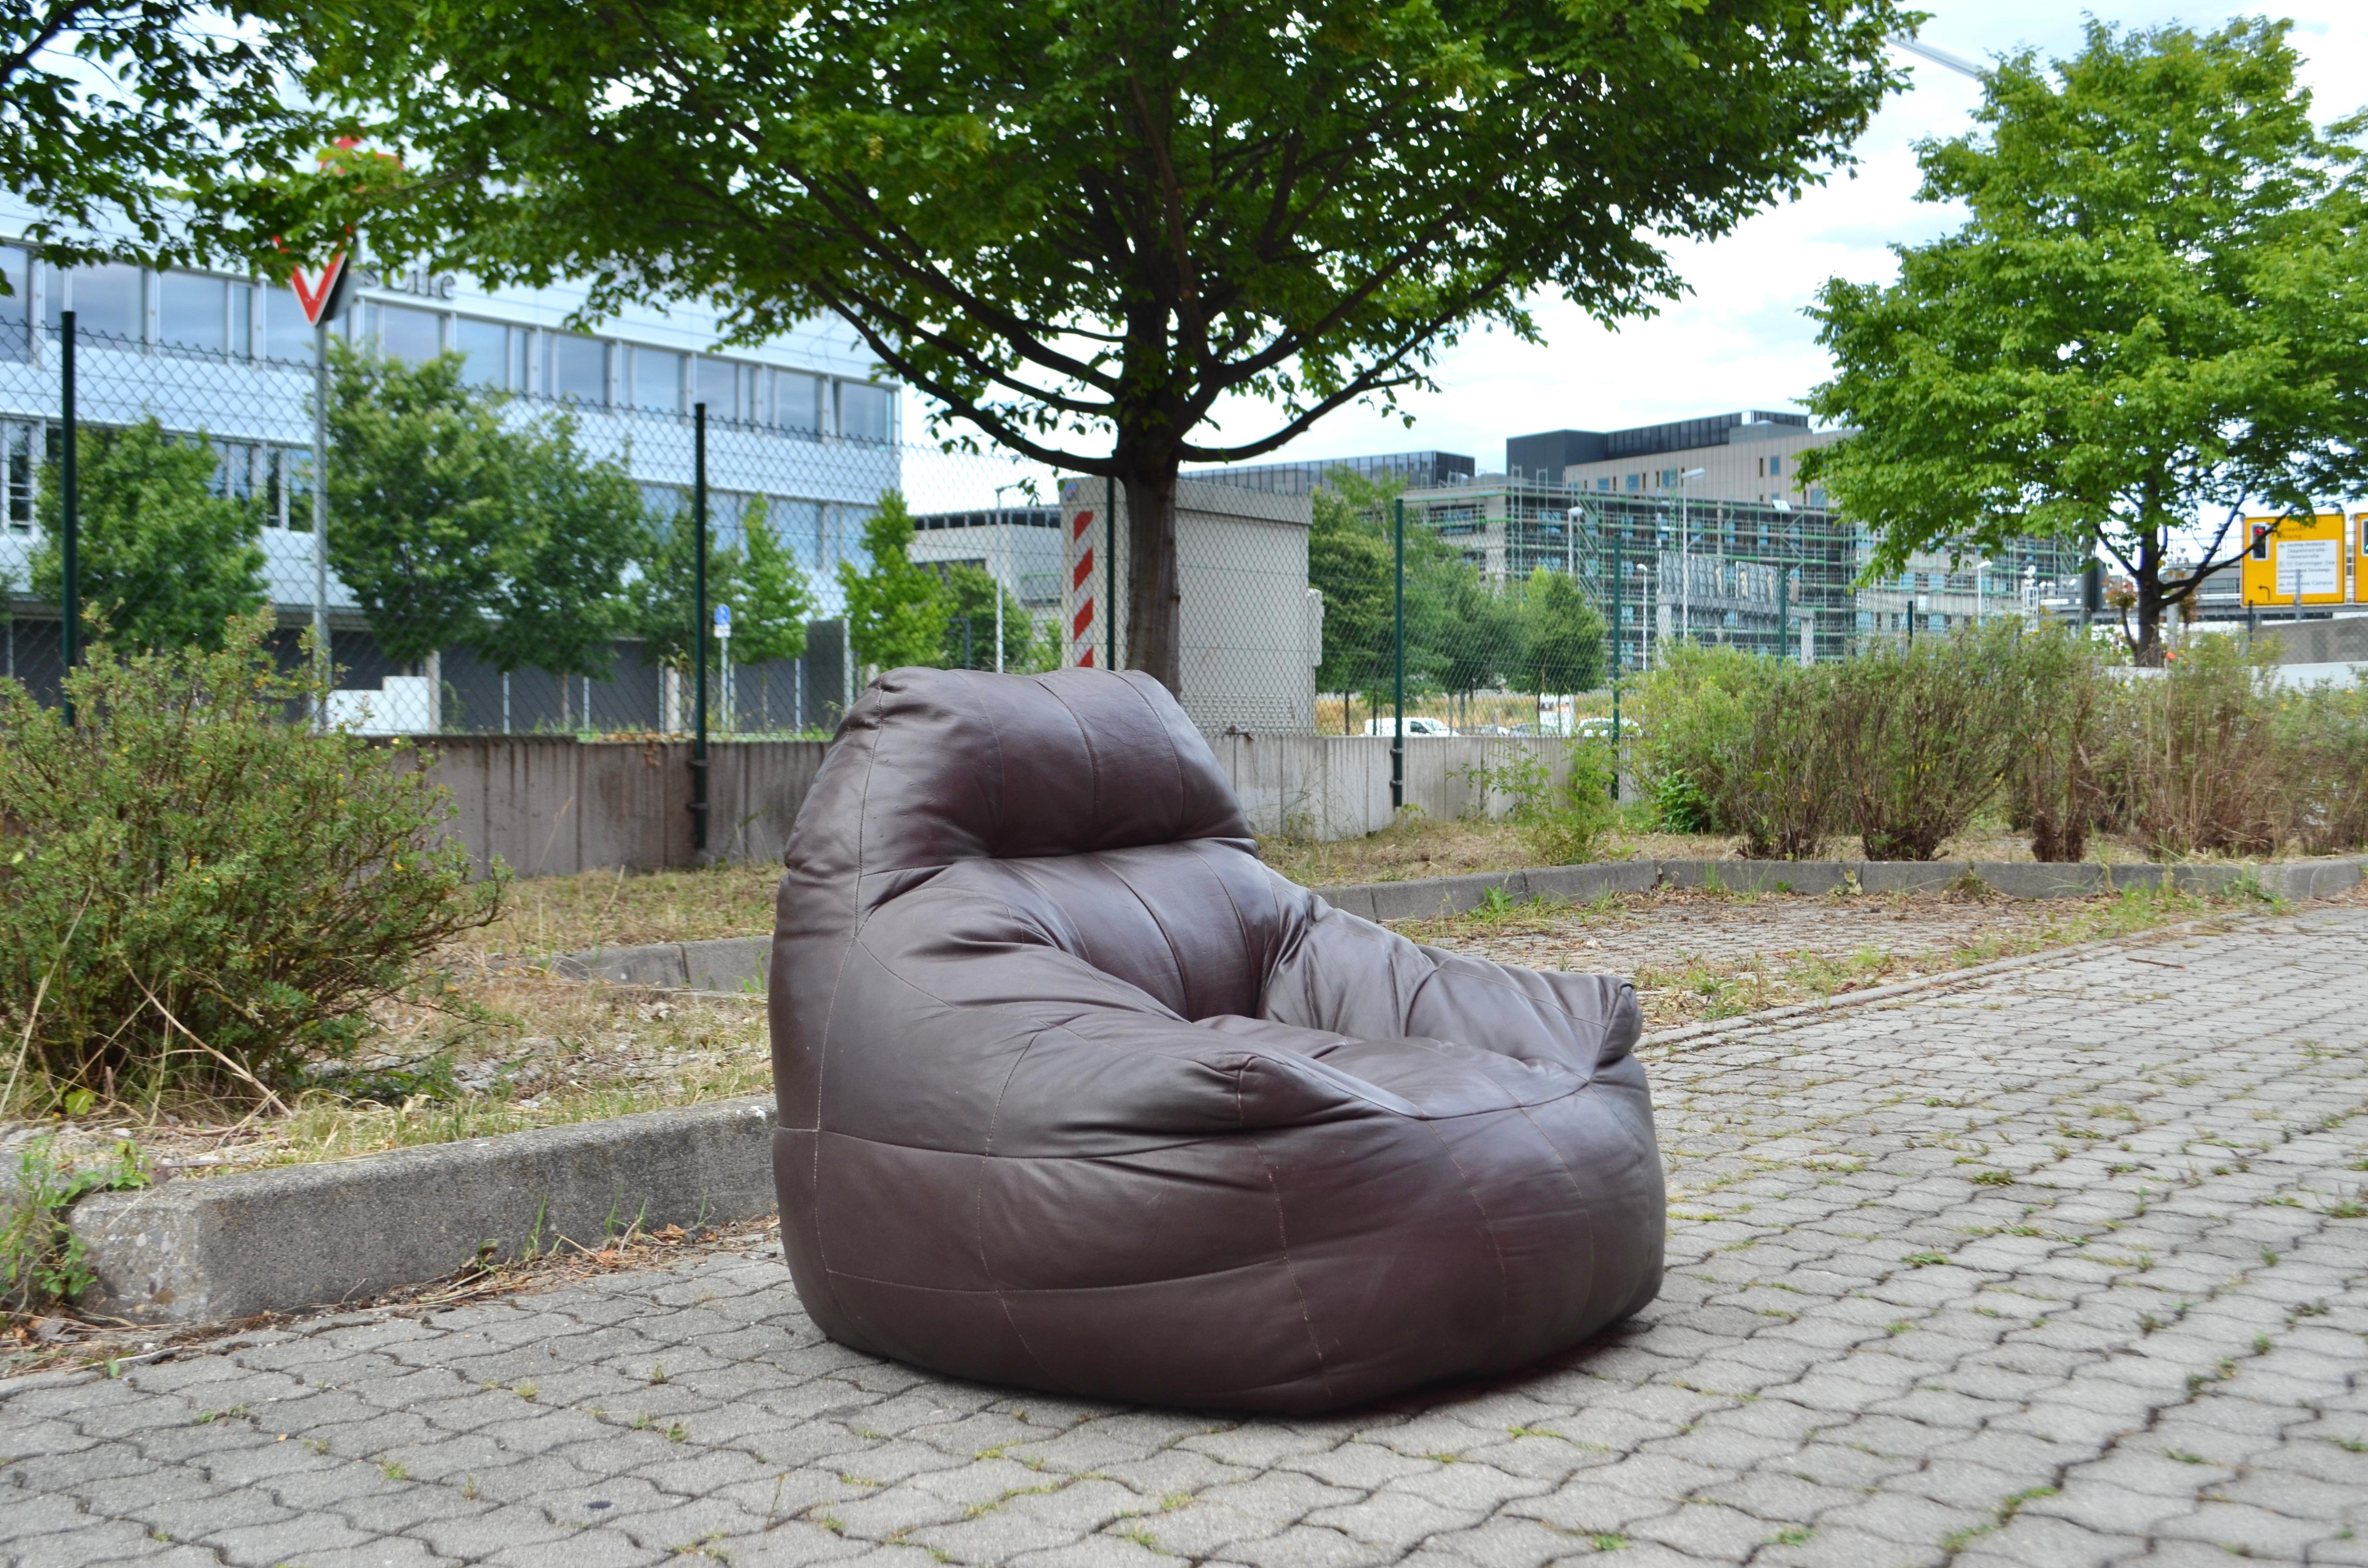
(69, 511)
(1619, 660)
(1397, 656)
(699, 628)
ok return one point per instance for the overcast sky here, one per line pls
(1738, 340)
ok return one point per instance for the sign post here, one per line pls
(318, 295)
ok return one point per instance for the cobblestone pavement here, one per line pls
(2063, 1266)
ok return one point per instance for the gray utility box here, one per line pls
(1253, 629)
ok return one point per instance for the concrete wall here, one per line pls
(550, 805)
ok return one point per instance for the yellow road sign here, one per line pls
(2290, 553)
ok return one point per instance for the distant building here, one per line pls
(1757, 574)
(801, 435)
(1018, 546)
(1750, 456)
(1303, 478)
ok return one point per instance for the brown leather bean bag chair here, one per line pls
(1076, 1095)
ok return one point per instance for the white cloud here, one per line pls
(1738, 340)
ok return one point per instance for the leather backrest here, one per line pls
(972, 777)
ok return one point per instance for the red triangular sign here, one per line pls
(318, 292)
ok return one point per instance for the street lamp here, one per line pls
(1686, 557)
(1003, 548)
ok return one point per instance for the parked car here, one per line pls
(1601, 729)
(1416, 725)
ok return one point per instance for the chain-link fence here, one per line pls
(489, 560)
(485, 561)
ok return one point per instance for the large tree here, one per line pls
(1082, 228)
(2154, 317)
(127, 127)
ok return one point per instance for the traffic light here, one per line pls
(2260, 542)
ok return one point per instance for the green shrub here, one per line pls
(198, 891)
(2201, 754)
(1678, 806)
(1921, 734)
(2060, 770)
(1748, 736)
(1562, 820)
(2321, 736)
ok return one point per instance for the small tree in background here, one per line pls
(768, 618)
(1561, 646)
(457, 527)
(1458, 632)
(895, 611)
(578, 525)
(969, 593)
(164, 561)
(423, 497)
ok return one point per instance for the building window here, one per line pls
(1817, 496)
(492, 355)
(1635, 482)
(108, 300)
(193, 312)
(17, 455)
(1775, 466)
(658, 380)
(286, 333)
(401, 333)
(716, 382)
(797, 401)
(863, 412)
(579, 369)
(16, 305)
(1603, 483)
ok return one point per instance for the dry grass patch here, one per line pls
(1697, 955)
(502, 1054)
(624, 909)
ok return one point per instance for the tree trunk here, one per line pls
(2147, 651)
(1154, 596)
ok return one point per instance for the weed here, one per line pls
(1608, 1541)
(1797, 1535)
(677, 1433)
(41, 1259)
(1994, 1178)
(393, 1470)
(1924, 1259)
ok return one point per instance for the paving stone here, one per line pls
(2144, 1348)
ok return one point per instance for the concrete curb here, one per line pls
(730, 965)
(220, 1248)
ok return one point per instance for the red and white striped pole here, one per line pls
(1077, 551)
